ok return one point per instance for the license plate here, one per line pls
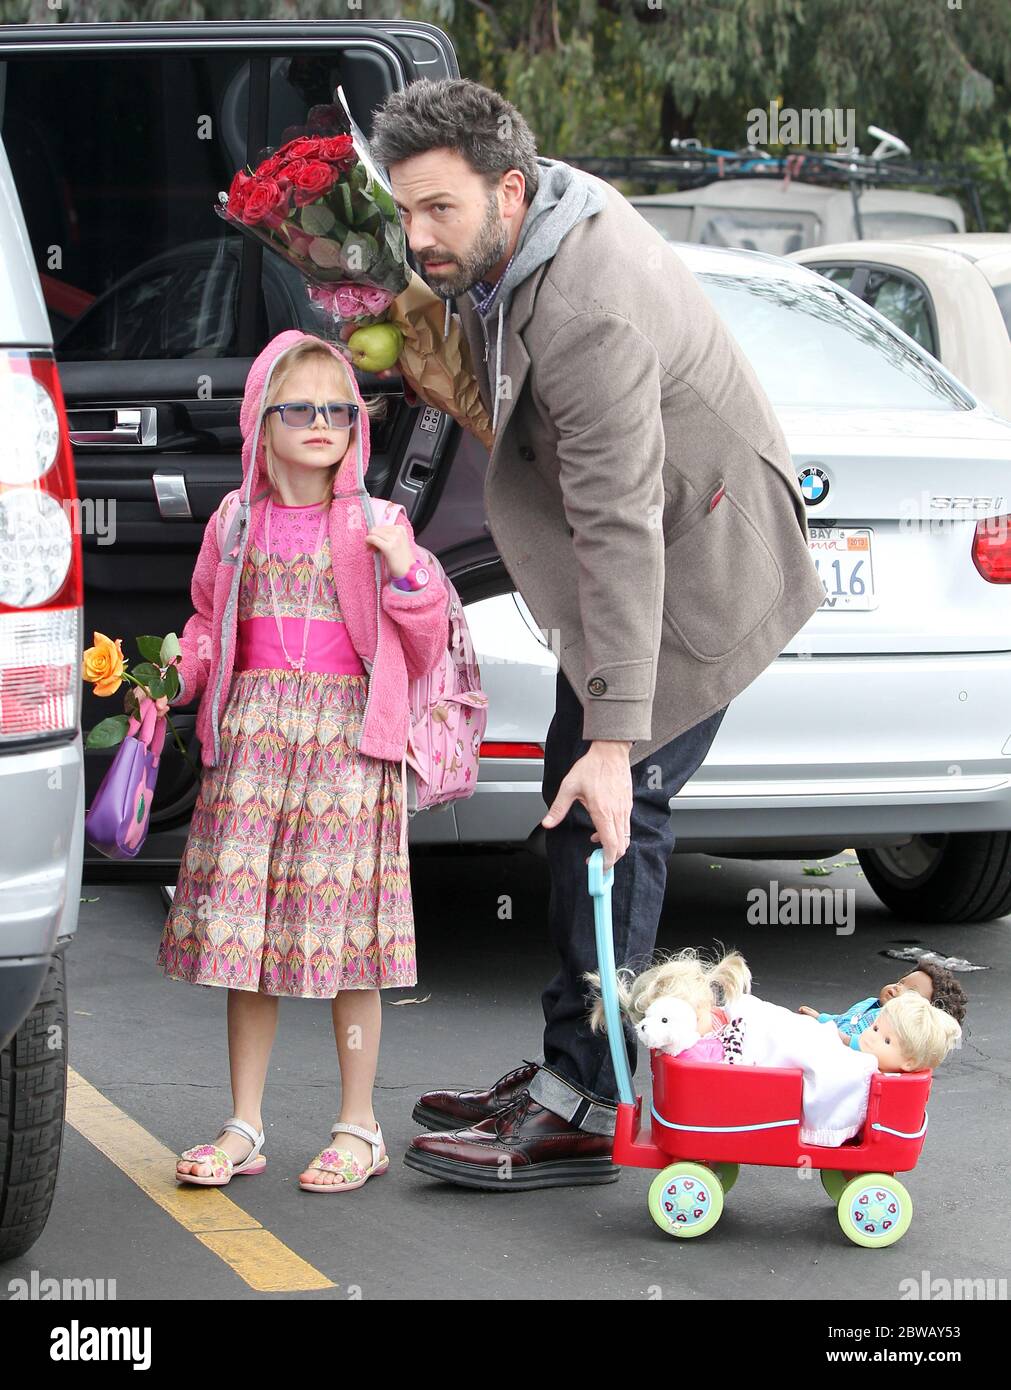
(842, 557)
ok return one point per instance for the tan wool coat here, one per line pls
(639, 487)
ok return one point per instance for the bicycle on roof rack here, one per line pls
(692, 166)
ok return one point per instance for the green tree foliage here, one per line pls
(625, 76)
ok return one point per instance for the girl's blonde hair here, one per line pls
(685, 975)
(311, 351)
(925, 1033)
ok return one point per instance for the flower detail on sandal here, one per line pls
(219, 1159)
(343, 1164)
(223, 1167)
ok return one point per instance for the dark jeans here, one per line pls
(577, 1067)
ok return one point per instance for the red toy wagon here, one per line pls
(707, 1119)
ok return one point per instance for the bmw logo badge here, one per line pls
(814, 485)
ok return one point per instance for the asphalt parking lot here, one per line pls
(150, 1077)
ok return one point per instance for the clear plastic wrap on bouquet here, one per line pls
(320, 202)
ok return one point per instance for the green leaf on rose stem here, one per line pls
(358, 177)
(359, 252)
(151, 677)
(325, 252)
(108, 733)
(317, 219)
(393, 235)
(384, 201)
(150, 648)
(347, 203)
(170, 649)
(171, 682)
(371, 224)
(380, 270)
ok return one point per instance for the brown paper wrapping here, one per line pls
(439, 369)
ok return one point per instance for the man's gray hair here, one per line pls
(461, 115)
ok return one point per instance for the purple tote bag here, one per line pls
(117, 821)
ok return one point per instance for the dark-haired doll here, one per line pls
(937, 985)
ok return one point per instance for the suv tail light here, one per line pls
(41, 583)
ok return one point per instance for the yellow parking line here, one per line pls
(258, 1257)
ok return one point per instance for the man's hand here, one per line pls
(602, 780)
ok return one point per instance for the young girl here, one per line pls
(295, 878)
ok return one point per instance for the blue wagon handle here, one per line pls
(600, 890)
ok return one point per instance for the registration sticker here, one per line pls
(842, 557)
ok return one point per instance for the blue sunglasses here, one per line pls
(299, 415)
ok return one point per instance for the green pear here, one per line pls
(377, 347)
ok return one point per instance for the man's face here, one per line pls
(454, 226)
(917, 980)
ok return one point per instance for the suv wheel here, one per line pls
(943, 878)
(33, 1097)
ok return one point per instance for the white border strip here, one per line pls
(900, 1134)
(722, 1129)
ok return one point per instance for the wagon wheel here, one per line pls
(727, 1173)
(875, 1210)
(685, 1200)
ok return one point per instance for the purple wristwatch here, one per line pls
(415, 578)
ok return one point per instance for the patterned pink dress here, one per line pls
(292, 882)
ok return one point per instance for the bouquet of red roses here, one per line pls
(321, 203)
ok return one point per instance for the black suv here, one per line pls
(120, 137)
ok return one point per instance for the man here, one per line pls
(642, 498)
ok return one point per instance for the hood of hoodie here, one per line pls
(350, 476)
(565, 196)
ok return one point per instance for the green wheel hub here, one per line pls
(874, 1210)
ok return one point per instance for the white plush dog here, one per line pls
(669, 1025)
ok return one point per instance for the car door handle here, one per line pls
(172, 497)
(132, 427)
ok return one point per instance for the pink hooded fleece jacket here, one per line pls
(399, 635)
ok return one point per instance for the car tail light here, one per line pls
(991, 548)
(41, 579)
(511, 750)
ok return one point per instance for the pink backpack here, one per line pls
(449, 710)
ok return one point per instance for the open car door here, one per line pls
(120, 137)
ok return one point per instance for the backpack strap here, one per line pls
(229, 519)
(386, 511)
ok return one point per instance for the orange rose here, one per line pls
(104, 664)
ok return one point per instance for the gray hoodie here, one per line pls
(564, 197)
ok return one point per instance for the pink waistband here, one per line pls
(330, 650)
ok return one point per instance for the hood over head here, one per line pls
(350, 476)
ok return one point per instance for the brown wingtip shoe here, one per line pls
(521, 1147)
(458, 1109)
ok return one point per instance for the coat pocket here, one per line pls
(721, 579)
